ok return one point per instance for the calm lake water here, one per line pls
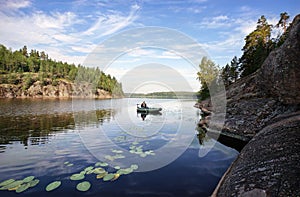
(54, 139)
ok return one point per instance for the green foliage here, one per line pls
(28, 81)
(207, 75)
(230, 72)
(257, 48)
(17, 62)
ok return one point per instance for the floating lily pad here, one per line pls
(76, 177)
(103, 164)
(13, 184)
(98, 171)
(117, 167)
(88, 168)
(3, 183)
(52, 186)
(134, 167)
(28, 179)
(116, 176)
(108, 177)
(23, 187)
(125, 171)
(14, 188)
(135, 143)
(70, 164)
(34, 182)
(82, 172)
(66, 162)
(83, 186)
(100, 176)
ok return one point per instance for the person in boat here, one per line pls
(144, 105)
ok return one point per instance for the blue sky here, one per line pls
(70, 30)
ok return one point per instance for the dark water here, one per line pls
(37, 137)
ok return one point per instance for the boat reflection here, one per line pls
(143, 115)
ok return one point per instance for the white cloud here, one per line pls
(215, 22)
(55, 20)
(16, 4)
(84, 49)
(111, 23)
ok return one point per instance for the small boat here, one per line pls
(148, 110)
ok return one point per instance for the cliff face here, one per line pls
(254, 101)
(63, 89)
(265, 107)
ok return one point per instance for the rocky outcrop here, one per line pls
(265, 107)
(63, 89)
(269, 163)
(279, 76)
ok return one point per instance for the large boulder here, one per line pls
(279, 75)
(268, 165)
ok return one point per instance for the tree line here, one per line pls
(23, 67)
(258, 44)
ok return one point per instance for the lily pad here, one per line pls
(28, 179)
(108, 177)
(23, 187)
(70, 164)
(14, 188)
(100, 176)
(134, 167)
(76, 177)
(103, 164)
(66, 162)
(13, 184)
(52, 186)
(125, 171)
(116, 176)
(99, 171)
(9, 181)
(88, 168)
(34, 182)
(83, 186)
(117, 167)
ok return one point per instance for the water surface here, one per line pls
(38, 137)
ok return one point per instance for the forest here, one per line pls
(258, 44)
(25, 68)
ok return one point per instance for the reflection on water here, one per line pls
(143, 115)
(35, 129)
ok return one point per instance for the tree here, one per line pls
(207, 75)
(257, 47)
(230, 72)
(284, 17)
(283, 23)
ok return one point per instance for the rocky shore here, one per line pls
(63, 89)
(264, 109)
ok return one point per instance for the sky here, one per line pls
(126, 37)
